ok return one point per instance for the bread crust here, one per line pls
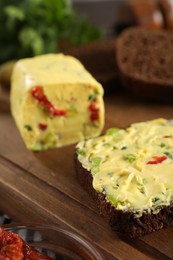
(125, 221)
(145, 63)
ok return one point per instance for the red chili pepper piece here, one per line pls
(94, 116)
(38, 94)
(94, 110)
(93, 106)
(42, 126)
(157, 159)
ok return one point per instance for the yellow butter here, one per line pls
(68, 87)
(132, 167)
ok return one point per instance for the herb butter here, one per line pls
(55, 101)
(132, 167)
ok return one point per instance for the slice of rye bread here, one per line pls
(124, 221)
(130, 221)
(145, 63)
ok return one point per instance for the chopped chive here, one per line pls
(162, 145)
(124, 147)
(92, 97)
(156, 200)
(28, 127)
(169, 155)
(110, 174)
(130, 157)
(142, 191)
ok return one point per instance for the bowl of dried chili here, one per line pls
(44, 242)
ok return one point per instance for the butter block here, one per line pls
(55, 101)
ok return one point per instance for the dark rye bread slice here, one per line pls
(125, 221)
(128, 174)
(145, 63)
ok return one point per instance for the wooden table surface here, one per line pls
(42, 186)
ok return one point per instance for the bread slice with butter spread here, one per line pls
(129, 173)
(55, 101)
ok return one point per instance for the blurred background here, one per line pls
(104, 14)
(84, 28)
(112, 16)
(33, 27)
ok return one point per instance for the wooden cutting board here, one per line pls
(42, 186)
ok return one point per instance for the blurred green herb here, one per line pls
(80, 152)
(95, 164)
(169, 155)
(28, 127)
(112, 131)
(130, 157)
(34, 27)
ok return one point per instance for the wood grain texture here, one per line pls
(42, 186)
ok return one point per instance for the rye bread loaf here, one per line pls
(131, 220)
(145, 63)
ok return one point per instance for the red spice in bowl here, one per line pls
(43, 242)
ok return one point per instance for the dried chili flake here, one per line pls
(157, 159)
(12, 246)
(42, 126)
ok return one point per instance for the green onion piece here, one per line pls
(112, 199)
(38, 147)
(95, 164)
(80, 152)
(94, 169)
(112, 131)
(50, 138)
(96, 161)
(130, 157)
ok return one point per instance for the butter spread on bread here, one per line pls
(55, 101)
(132, 167)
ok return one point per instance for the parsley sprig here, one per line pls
(34, 27)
